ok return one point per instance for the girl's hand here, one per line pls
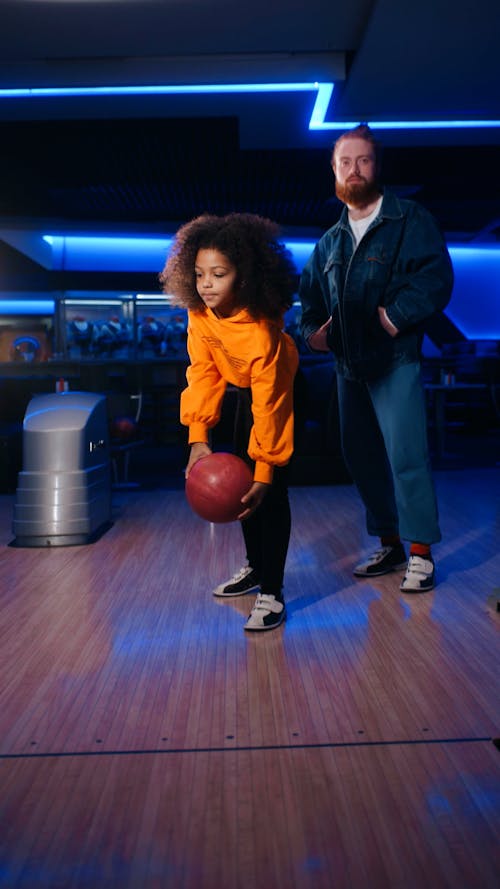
(198, 450)
(253, 498)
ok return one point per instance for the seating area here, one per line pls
(463, 393)
(467, 360)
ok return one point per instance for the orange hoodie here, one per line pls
(249, 354)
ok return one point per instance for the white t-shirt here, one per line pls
(359, 226)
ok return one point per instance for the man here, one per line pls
(371, 282)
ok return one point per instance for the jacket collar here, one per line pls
(390, 209)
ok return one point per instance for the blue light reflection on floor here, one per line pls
(475, 796)
(438, 803)
(352, 613)
(143, 637)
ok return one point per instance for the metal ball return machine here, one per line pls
(63, 496)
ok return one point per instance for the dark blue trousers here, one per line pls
(383, 427)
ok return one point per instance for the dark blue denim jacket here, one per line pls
(401, 263)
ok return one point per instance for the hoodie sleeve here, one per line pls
(273, 372)
(201, 401)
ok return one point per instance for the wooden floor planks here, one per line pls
(146, 741)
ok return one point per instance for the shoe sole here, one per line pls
(417, 590)
(270, 627)
(384, 570)
(251, 589)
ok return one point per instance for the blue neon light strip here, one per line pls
(105, 253)
(27, 306)
(475, 305)
(474, 308)
(163, 89)
(407, 124)
(324, 93)
(108, 253)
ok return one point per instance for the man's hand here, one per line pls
(388, 326)
(317, 340)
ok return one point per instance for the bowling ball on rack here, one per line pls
(215, 486)
(123, 429)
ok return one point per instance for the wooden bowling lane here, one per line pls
(146, 740)
(381, 816)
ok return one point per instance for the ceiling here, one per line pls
(149, 162)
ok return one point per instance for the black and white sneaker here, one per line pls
(244, 581)
(384, 560)
(267, 613)
(419, 577)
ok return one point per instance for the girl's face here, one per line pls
(216, 282)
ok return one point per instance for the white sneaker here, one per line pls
(267, 613)
(383, 560)
(244, 581)
(419, 575)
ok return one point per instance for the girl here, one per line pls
(237, 279)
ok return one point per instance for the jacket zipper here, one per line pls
(376, 222)
(341, 304)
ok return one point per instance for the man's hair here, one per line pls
(362, 131)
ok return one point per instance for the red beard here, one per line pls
(357, 194)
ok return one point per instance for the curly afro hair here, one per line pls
(266, 275)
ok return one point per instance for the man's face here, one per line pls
(355, 169)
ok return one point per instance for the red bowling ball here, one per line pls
(215, 486)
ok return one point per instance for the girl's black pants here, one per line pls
(267, 531)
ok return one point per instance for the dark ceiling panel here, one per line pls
(161, 172)
(125, 162)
